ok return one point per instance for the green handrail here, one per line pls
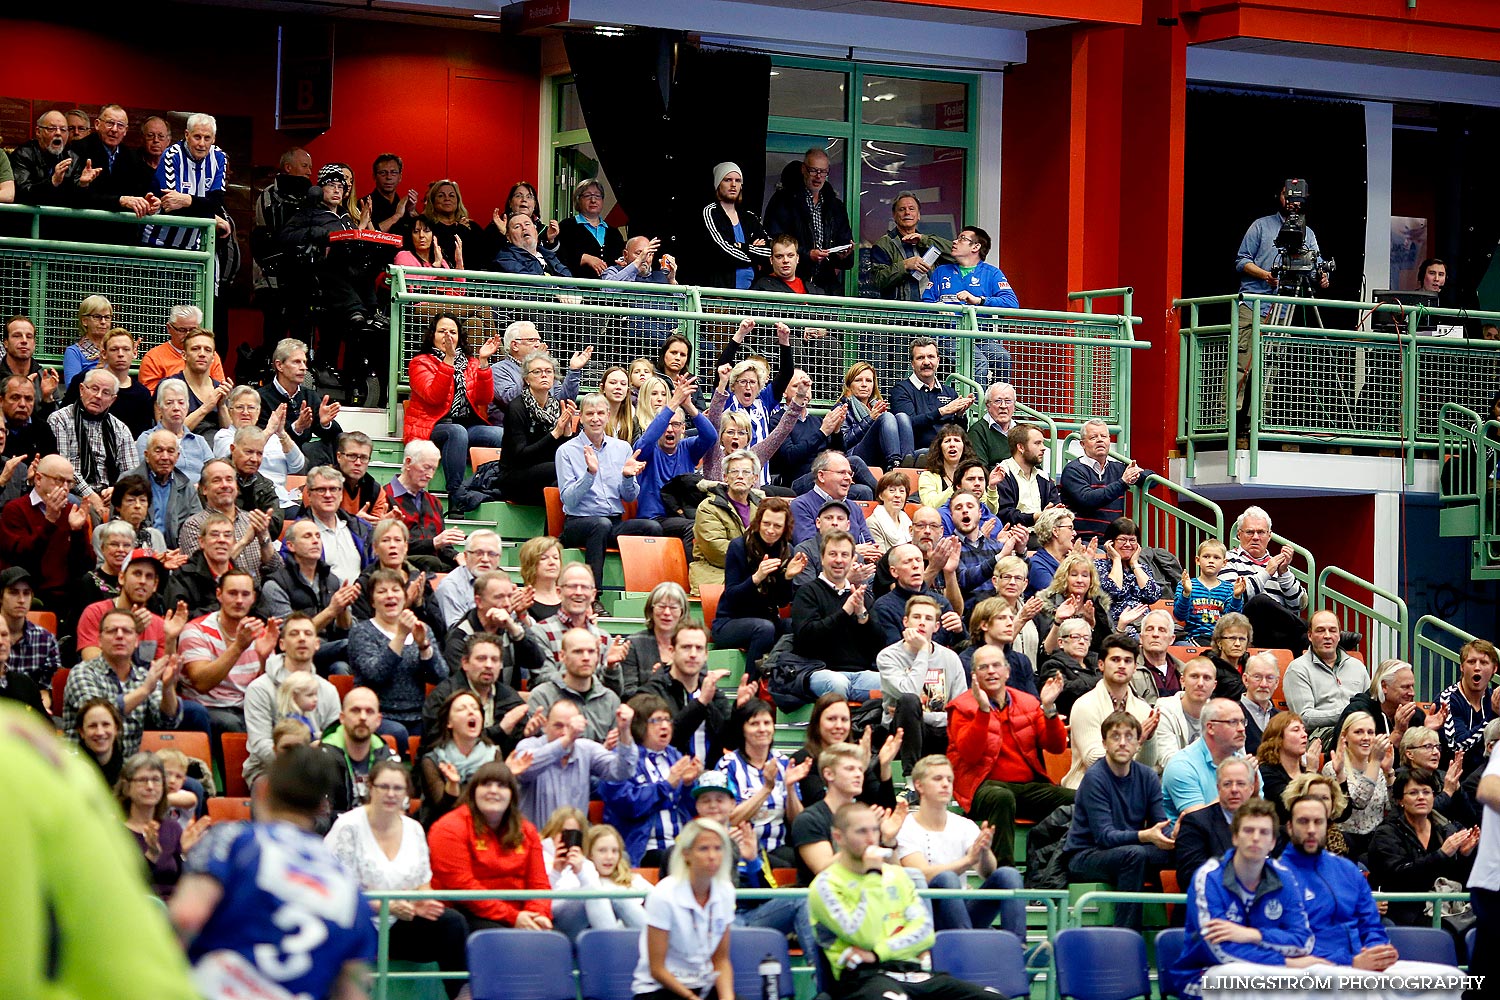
(1094, 897)
(47, 278)
(1306, 574)
(1434, 660)
(1385, 632)
(633, 317)
(1165, 524)
(1364, 388)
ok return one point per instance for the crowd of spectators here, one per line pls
(891, 547)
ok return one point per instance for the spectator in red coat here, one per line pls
(996, 735)
(450, 401)
(47, 535)
(485, 843)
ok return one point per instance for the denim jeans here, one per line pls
(963, 914)
(992, 362)
(847, 684)
(887, 442)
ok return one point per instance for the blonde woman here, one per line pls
(697, 895)
(1364, 764)
(1010, 584)
(541, 565)
(871, 430)
(95, 319)
(1074, 592)
(449, 220)
(655, 393)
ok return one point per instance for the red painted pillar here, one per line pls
(1092, 188)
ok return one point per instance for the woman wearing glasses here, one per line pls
(142, 793)
(95, 319)
(387, 850)
(586, 244)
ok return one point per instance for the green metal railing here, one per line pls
(1155, 504)
(46, 273)
(1378, 389)
(1072, 365)
(1468, 456)
(1385, 629)
(1052, 901)
(1093, 898)
(1304, 566)
(1435, 646)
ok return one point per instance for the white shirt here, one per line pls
(353, 842)
(939, 847)
(1028, 490)
(1486, 871)
(339, 550)
(693, 933)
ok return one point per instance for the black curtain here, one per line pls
(661, 113)
(1239, 148)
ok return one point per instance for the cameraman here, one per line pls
(345, 292)
(1255, 262)
(275, 204)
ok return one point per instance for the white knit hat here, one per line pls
(722, 170)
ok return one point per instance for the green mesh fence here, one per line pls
(47, 279)
(1070, 365)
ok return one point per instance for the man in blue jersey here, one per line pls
(970, 281)
(266, 910)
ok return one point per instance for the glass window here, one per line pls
(572, 164)
(940, 105)
(809, 93)
(569, 111)
(784, 157)
(935, 174)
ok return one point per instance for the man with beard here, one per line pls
(354, 747)
(41, 166)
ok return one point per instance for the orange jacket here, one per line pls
(1003, 744)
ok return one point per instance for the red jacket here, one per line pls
(461, 860)
(53, 553)
(1003, 744)
(432, 393)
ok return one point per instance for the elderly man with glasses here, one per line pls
(807, 207)
(99, 447)
(110, 177)
(41, 165)
(519, 340)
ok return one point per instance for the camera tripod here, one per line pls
(1294, 280)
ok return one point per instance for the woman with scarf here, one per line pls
(536, 425)
(459, 751)
(871, 431)
(450, 401)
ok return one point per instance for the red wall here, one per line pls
(1306, 521)
(452, 103)
(396, 88)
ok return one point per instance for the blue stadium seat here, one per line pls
(1469, 940)
(1424, 944)
(984, 957)
(1101, 963)
(1169, 945)
(606, 963)
(510, 964)
(748, 947)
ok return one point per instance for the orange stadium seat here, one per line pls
(45, 619)
(191, 743)
(228, 809)
(343, 684)
(648, 560)
(236, 747)
(552, 498)
(479, 456)
(709, 594)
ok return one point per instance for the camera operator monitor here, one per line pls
(1393, 323)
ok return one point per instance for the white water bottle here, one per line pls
(770, 978)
